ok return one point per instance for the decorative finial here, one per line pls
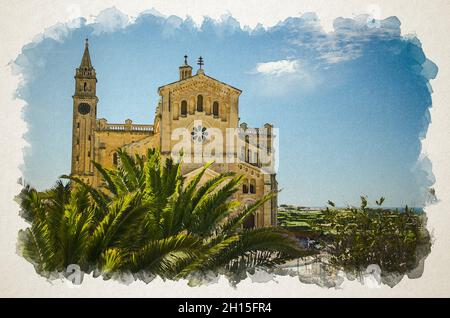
(185, 60)
(200, 62)
(87, 42)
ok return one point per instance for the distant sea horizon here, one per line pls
(320, 208)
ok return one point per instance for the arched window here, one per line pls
(183, 108)
(200, 103)
(85, 86)
(216, 109)
(252, 186)
(245, 186)
(115, 159)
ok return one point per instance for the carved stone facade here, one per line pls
(183, 104)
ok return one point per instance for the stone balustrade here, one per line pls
(103, 125)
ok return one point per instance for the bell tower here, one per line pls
(185, 69)
(84, 118)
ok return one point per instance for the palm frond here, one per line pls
(106, 175)
(111, 260)
(100, 198)
(207, 258)
(167, 256)
(123, 211)
(278, 243)
(75, 227)
(236, 221)
(35, 245)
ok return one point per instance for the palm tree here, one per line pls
(145, 218)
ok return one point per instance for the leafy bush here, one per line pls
(354, 238)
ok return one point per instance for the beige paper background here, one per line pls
(21, 21)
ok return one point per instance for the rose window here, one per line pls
(199, 134)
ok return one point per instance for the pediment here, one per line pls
(201, 82)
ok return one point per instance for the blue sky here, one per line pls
(351, 105)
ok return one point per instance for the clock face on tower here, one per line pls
(84, 108)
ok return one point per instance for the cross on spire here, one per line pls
(200, 62)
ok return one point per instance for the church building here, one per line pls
(196, 103)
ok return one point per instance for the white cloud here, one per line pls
(277, 68)
(284, 76)
(110, 20)
(346, 42)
